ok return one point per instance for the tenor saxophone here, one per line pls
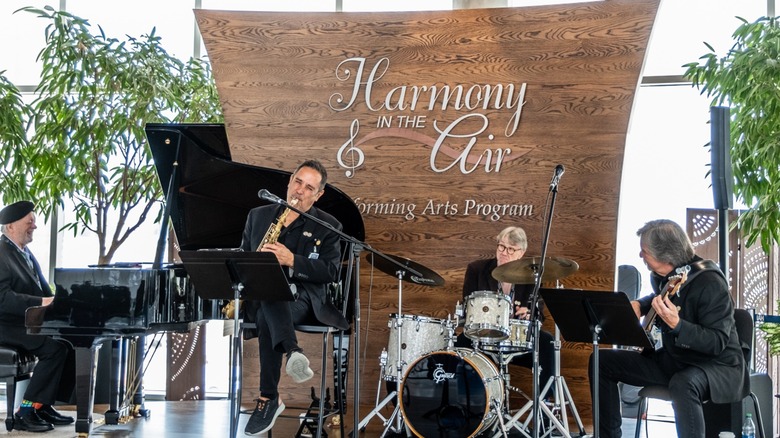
(271, 236)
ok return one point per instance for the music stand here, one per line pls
(235, 275)
(595, 316)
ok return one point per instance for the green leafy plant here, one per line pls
(772, 335)
(747, 79)
(14, 114)
(87, 142)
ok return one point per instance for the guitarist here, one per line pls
(700, 357)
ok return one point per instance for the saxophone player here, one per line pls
(310, 254)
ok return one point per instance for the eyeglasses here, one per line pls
(508, 249)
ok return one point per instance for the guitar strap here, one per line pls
(701, 266)
(697, 268)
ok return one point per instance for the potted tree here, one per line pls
(747, 79)
(87, 141)
(14, 114)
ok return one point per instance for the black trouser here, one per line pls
(276, 336)
(54, 375)
(688, 387)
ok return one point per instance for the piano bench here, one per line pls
(15, 365)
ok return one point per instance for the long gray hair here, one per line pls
(666, 242)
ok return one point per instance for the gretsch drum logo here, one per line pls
(439, 375)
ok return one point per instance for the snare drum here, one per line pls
(419, 335)
(455, 393)
(517, 342)
(487, 317)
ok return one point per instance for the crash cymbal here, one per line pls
(428, 277)
(522, 271)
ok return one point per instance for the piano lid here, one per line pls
(213, 194)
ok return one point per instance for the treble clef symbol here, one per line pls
(355, 154)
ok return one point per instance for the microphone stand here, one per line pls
(535, 323)
(356, 246)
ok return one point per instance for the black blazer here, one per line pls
(310, 275)
(18, 291)
(706, 336)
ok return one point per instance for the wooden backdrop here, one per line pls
(444, 127)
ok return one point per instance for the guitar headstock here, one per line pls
(676, 281)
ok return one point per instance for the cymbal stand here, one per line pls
(396, 415)
(538, 406)
(503, 360)
(495, 405)
(514, 420)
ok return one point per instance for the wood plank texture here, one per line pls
(436, 178)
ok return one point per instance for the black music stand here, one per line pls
(595, 316)
(236, 275)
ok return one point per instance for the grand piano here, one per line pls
(208, 198)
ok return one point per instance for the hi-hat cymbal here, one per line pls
(427, 278)
(522, 271)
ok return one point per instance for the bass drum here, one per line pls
(451, 394)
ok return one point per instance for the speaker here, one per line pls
(722, 180)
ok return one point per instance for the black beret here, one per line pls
(15, 211)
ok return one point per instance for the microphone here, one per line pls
(268, 196)
(559, 169)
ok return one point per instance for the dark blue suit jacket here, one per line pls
(18, 291)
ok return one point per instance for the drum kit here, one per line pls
(442, 390)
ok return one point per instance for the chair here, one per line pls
(325, 331)
(744, 324)
(629, 281)
(15, 366)
(322, 409)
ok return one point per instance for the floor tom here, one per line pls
(419, 335)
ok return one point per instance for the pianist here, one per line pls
(22, 285)
(310, 254)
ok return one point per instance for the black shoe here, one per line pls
(264, 416)
(31, 422)
(47, 413)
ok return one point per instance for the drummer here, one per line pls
(511, 244)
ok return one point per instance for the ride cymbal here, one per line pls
(427, 278)
(523, 271)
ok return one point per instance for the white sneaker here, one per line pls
(298, 367)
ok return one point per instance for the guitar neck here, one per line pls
(647, 323)
(670, 290)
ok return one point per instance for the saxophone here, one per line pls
(271, 236)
